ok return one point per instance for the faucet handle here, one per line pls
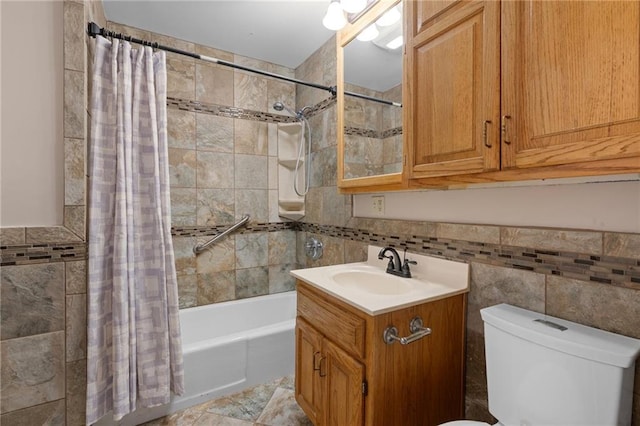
(407, 261)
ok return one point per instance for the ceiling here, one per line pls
(284, 32)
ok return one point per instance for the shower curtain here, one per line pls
(134, 356)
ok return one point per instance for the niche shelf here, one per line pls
(290, 204)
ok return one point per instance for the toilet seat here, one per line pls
(465, 423)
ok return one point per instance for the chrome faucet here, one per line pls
(395, 266)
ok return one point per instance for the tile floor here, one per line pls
(269, 404)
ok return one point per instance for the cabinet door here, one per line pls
(344, 400)
(452, 78)
(308, 359)
(571, 82)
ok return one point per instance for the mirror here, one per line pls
(370, 98)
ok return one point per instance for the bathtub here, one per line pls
(228, 347)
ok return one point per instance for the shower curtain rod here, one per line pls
(94, 29)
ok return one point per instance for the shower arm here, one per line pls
(199, 248)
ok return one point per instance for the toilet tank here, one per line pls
(546, 371)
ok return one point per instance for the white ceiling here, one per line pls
(284, 32)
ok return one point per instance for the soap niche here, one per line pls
(290, 204)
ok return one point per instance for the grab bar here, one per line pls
(199, 248)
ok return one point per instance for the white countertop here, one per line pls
(366, 285)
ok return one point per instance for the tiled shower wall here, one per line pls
(584, 276)
(223, 164)
(373, 133)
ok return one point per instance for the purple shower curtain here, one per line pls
(134, 347)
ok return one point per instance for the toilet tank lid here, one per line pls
(564, 336)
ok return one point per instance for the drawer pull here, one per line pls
(416, 326)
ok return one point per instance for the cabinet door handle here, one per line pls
(323, 371)
(316, 364)
(485, 136)
(503, 128)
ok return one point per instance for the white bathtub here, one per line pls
(229, 347)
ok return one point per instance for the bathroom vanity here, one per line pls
(361, 356)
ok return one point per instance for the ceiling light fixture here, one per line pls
(334, 19)
(353, 6)
(368, 33)
(389, 18)
(395, 43)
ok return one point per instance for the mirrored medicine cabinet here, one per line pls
(369, 100)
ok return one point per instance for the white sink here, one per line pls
(378, 282)
(367, 286)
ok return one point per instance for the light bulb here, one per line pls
(391, 17)
(368, 33)
(395, 43)
(334, 19)
(353, 6)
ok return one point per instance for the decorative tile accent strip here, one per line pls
(246, 114)
(320, 106)
(391, 132)
(25, 254)
(204, 231)
(369, 133)
(619, 271)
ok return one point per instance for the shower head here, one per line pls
(279, 106)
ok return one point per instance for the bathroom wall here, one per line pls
(42, 280)
(31, 192)
(223, 164)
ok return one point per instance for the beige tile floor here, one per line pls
(269, 404)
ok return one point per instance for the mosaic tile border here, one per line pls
(205, 231)
(245, 114)
(368, 133)
(25, 254)
(619, 271)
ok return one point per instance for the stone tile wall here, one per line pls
(223, 164)
(373, 133)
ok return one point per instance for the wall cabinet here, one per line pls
(347, 375)
(519, 90)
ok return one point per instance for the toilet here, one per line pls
(547, 371)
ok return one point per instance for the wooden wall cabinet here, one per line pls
(518, 90)
(346, 375)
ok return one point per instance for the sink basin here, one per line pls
(373, 282)
(367, 286)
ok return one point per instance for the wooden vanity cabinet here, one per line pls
(517, 90)
(347, 375)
